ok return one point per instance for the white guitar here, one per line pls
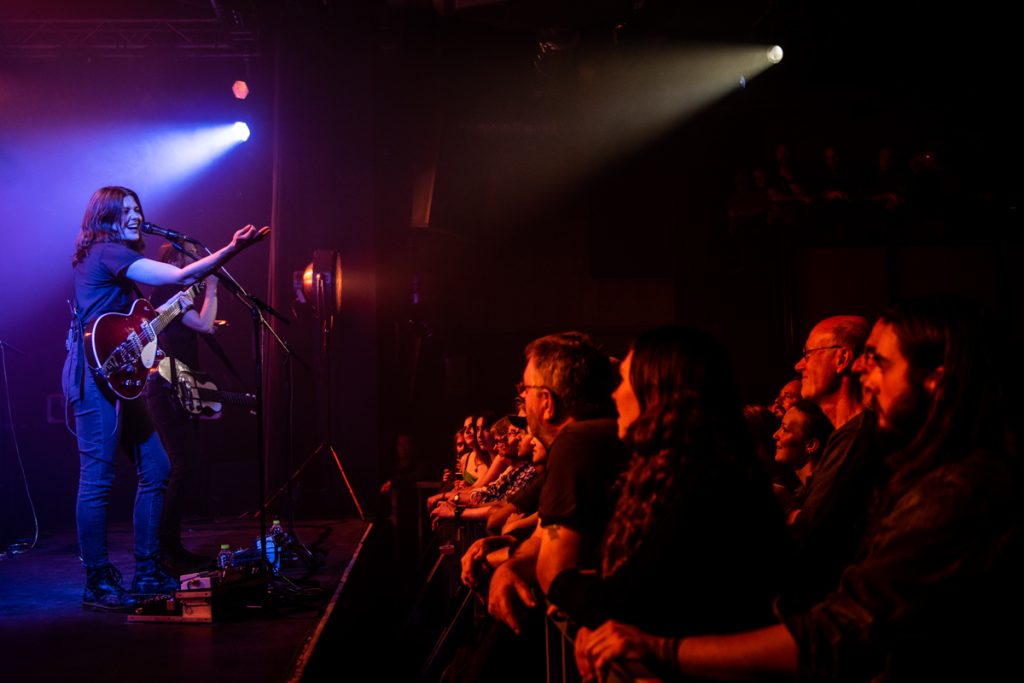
(200, 398)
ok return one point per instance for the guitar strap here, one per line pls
(75, 347)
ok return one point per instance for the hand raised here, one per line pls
(248, 236)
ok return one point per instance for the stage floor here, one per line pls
(45, 635)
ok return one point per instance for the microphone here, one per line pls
(154, 229)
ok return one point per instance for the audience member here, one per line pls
(930, 593)
(696, 543)
(801, 436)
(832, 515)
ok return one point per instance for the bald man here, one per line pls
(832, 517)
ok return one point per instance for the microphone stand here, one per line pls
(256, 309)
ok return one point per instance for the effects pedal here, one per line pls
(205, 596)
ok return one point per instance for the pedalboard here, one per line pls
(204, 597)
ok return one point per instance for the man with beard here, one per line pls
(788, 395)
(934, 592)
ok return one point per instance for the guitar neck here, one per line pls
(172, 310)
(229, 397)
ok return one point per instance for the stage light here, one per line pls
(240, 89)
(775, 54)
(321, 283)
(240, 131)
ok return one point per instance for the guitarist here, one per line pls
(179, 428)
(107, 263)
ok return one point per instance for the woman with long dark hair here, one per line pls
(107, 264)
(697, 540)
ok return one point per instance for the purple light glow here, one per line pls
(56, 149)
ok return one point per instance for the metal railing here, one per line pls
(559, 636)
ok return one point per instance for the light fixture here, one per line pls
(240, 89)
(774, 54)
(240, 131)
(321, 283)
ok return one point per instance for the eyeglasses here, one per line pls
(807, 352)
(521, 388)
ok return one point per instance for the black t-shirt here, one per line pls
(584, 460)
(527, 499)
(101, 285)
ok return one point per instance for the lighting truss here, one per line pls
(127, 38)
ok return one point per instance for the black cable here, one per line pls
(19, 546)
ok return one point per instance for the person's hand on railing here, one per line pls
(521, 522)
(474, 561)
(596, 650)
(508, 596)
(443, 510)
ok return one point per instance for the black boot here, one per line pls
(152, 579)
(104, 592)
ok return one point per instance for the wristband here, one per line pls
(668, 653)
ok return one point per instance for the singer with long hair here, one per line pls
(107, 264)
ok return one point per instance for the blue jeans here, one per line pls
(102, 424)
(179, 433)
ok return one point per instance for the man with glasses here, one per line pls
(827, 378)
(566, 390)
(933, 593)
(831, 519)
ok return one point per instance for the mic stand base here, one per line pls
(294, 475)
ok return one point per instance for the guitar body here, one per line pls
(197, 397)
(122, 348)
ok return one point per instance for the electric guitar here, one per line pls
(122, 347)
(200, 398)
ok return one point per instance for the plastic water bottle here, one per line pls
(273, 547)
(280, 538)
(225, 558)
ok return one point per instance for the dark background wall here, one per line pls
(482, 193)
